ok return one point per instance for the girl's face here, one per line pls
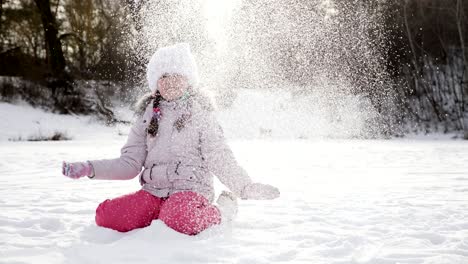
(172, 86)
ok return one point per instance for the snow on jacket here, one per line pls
(174, 160)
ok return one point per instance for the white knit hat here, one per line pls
(175, 59)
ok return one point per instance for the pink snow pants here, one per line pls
(186, 212)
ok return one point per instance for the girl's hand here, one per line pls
(77, 170)
(260, 191)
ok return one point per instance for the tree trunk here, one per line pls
(464, 81)
(55, 58)
(464, 88)
(66, 98)
(1, 15)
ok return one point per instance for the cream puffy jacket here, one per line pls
(174, 160)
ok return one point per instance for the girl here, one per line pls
(175, 146)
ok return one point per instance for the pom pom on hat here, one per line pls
(175, 59)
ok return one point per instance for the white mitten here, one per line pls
(260, 191)
(227, 205)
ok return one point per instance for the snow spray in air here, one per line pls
(288, 69)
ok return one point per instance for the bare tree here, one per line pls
(53, 44)
(66, 97)
(1, 14)
(464, 80)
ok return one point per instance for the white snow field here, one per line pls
(342, 201)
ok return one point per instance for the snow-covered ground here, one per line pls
(342, 201)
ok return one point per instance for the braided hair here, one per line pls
(179, 124)
(154, 123)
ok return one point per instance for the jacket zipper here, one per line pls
(200, 142)
(151, 171)
(177, 167)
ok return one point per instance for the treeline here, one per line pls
(60, 43)
(428, 57)
(92, 35)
